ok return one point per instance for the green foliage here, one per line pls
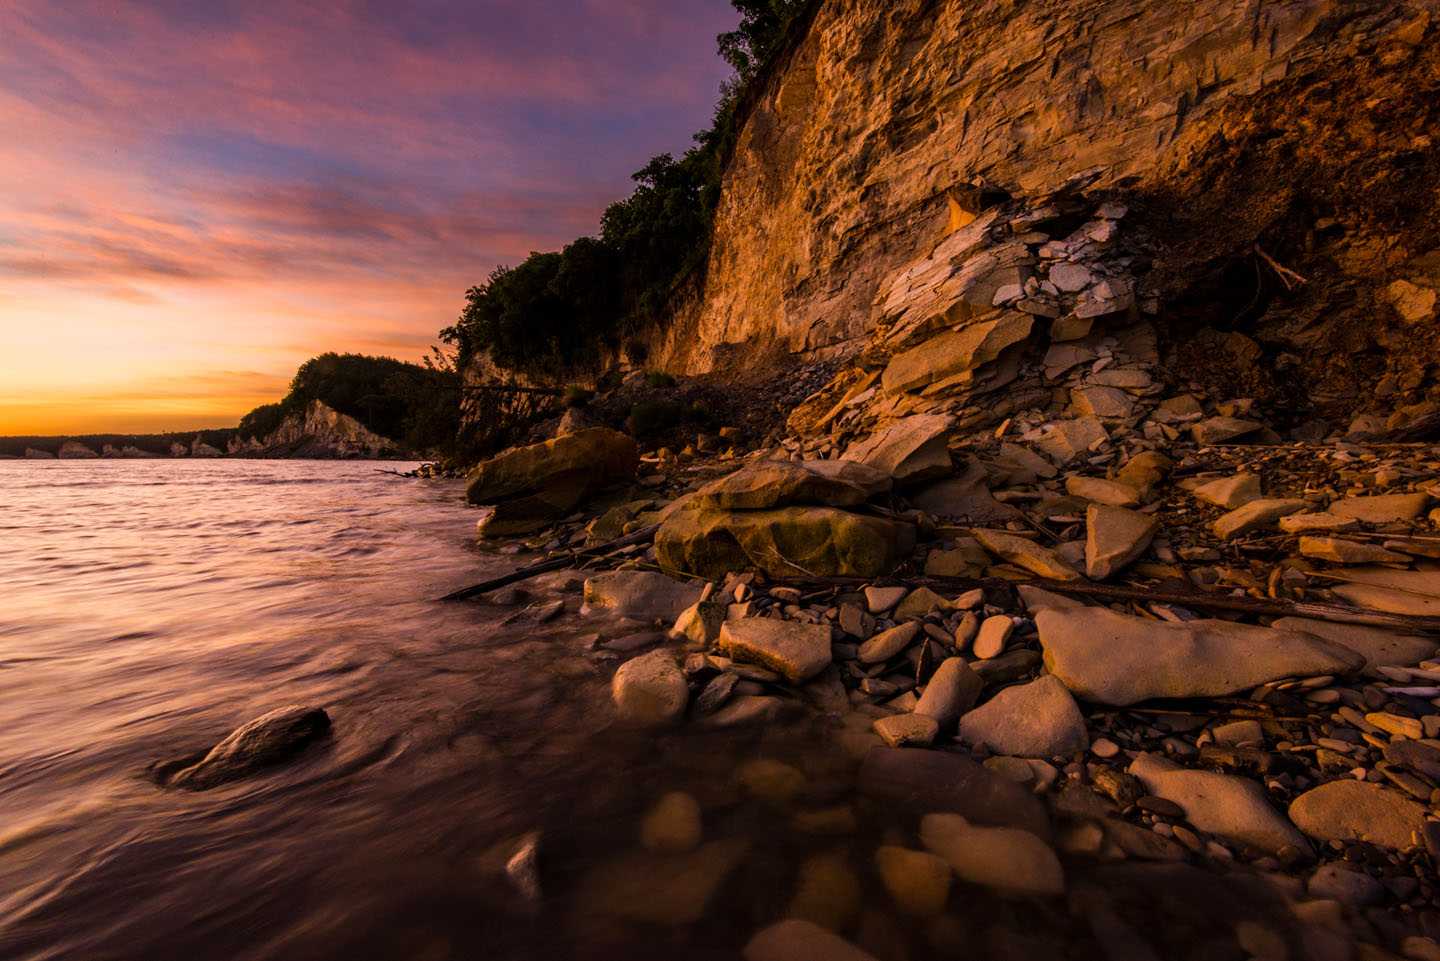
(658, 379)
(576, 396)
(649, 416)
(555, 312)
(411, 404)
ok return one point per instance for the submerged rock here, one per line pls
(650, 689)
(1005, 858)
(798, 651)
(263, 742)
(646, 595)
(917, 782)
(800, 940)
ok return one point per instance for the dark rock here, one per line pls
(265, 741)
(920, 782)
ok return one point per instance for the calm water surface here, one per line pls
(149, 607)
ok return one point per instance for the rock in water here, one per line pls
(267, 740)
(1116, 659)
(650, 689)
(646, 595)
(532, 486)
(1006, 858)
(799, 940)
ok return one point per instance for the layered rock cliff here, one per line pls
(1245, 138)
(322, 433)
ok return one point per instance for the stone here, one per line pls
(783, 542)
(768, 484)
(954, 352)
(1218, 430)
(1110, 658)
(1255, 516)
(920, 602)
(672, 826)
(1039, 719)
(887, 644)
(270, 739)
(700, 622)
(1348, 809)
(533, 486)
(1114, 537)
(1027, 554)
(1145, 470)
(73, 449)
(1221, 804)
(951, 691)
(799, 940)
(1323, 521)
(798, 651)
(966, 498)
(917, 881)
(643, 595)
(917, 782)
(906, 730)
(1007, 859)
(1337, 550)
(1070, 278)
(770, 781)
(1111, 405)
(878, 600)
(1336, 882)
(650, 689)
(910, 450)
(1101, 491)
(828, 892)
(1381, 508)
(994, 632)
(672, 890)
(1230, 492)
(1414, 304)
(1065, 440)
(1386, 589)
(522, 867)
(1239, 733)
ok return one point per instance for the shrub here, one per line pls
(658, 380)
(650, 416)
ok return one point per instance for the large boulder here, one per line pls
(646, 595)
(1110, 658)
(531, 486)
(783, 542)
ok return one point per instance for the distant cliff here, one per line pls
(320, 433)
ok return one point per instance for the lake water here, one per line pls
(147, 608)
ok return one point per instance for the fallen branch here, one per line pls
(1335, 613)
(601, 552)
(1285, 273)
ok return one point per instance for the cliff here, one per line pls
(1294, 133)
(321, 433)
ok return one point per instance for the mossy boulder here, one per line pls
(783, 542)
(531, 486)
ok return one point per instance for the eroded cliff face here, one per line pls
(323, 433)
(1302, 126)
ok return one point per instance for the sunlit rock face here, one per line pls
(323, 432)
(841, 171)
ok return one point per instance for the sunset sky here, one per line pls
(201, 194)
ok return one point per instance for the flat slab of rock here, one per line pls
(910, 450)
(951, 691)
(906, 730)
(1323, 521)
(1338, 550)
(1255, 516)
(1039, 719)
(644, 595)
(1101, 491)
(1114, 537)
(798, 651)
(1008, 859)
(917, 782)
(1230, 492)
(650, 689)
(887, 644)
(1397, 592)
(784, 542)
(1379, 647)
(1381, 508)
(1347, 810)
(1222, 804)
(954, 351)
(1217, 430)
(964, 498)
(1065, 440)
(786, 483)
(1111, 658)
(1033, 557)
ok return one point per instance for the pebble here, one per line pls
(917, 881)
(907, 730)
(994, 632)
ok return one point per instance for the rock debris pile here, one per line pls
(1076, 625)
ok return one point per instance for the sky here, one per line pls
(199, 195)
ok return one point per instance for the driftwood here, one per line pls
(515, 389)
(570, 559)
(1199, 599)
